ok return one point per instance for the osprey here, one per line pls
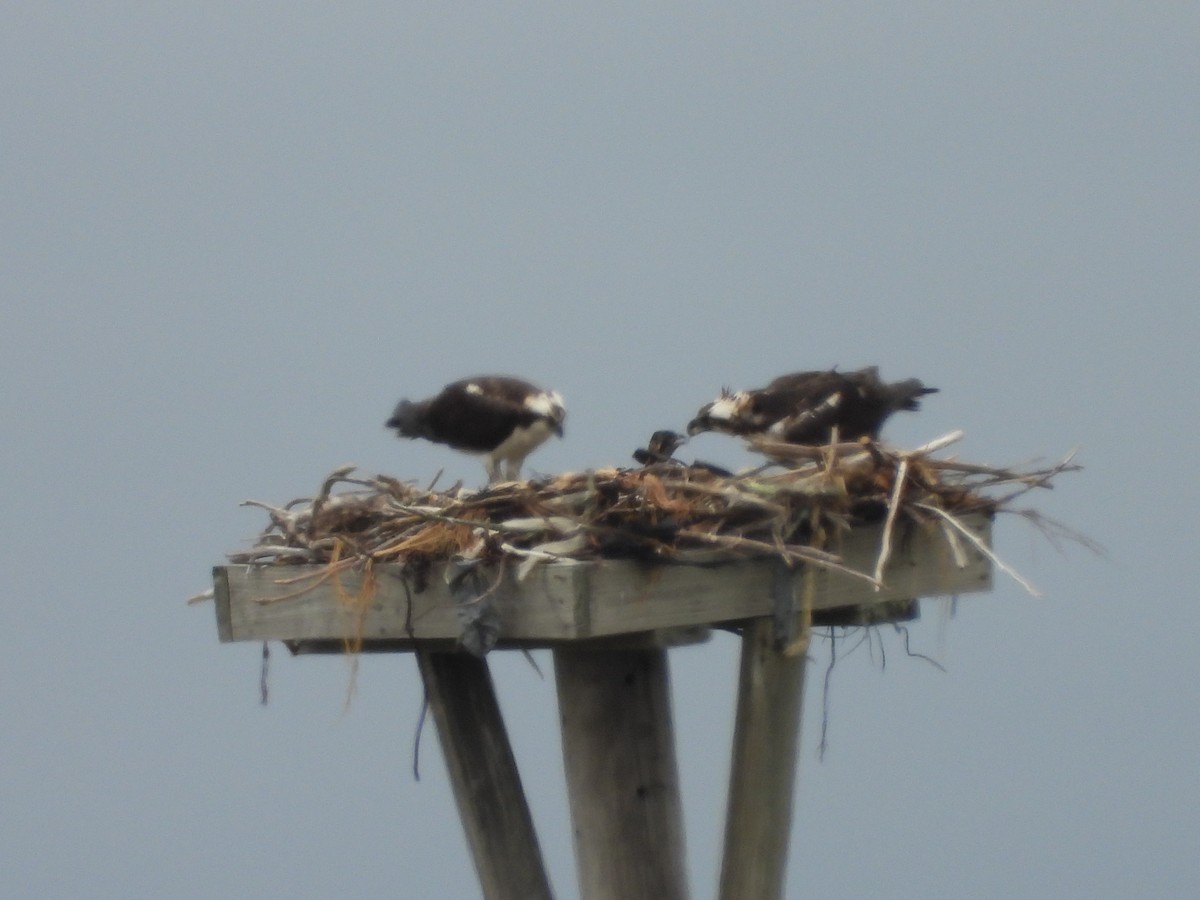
(660, 448)
(804, 408)
(499, 418)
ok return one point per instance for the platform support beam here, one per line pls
(483, 773)
(763, 767)
(618, 739)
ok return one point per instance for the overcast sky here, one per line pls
(235, 234)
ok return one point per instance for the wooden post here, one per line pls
(619, 753)
(763, 770)
(484, 775)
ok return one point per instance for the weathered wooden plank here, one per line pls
(763, 767)
(571, 601)
(223, 600)
(483, 773)
(622, 779)
(293, 603)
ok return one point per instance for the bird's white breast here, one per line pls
(523, 440)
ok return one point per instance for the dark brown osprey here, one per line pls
(803, 408)
(660, 448)
(500, 418)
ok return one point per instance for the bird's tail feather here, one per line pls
(407, 419)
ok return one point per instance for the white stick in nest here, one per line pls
(790, 552)
(538, 524)
(553, 551)
(982, 547)
(937, 444)
(956, 545)
(885, 545)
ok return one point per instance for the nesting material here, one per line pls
(789, 508)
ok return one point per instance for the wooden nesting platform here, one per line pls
(581, 600)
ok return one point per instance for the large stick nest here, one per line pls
(666, 511)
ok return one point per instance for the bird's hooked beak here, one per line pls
(702, 422)
(718, 414)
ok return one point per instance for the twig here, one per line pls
(270, 551)
(1056, 532)
(956, 547)
(329, 571)
(885, 546)
(790, 551)
(432, 516)
(937, 444)
(1038, 480)
(732, 495)
(331, 479)
(281, 518)
(982, 547)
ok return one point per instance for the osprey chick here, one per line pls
(803, 408)
(499, 418)
(660, 448)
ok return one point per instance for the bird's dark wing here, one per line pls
(814, 424)
(797, 381)
(478, 419)
(803, 397)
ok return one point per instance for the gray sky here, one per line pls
(235, 234)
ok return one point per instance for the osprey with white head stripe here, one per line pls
(499, 418)
(805, 407)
